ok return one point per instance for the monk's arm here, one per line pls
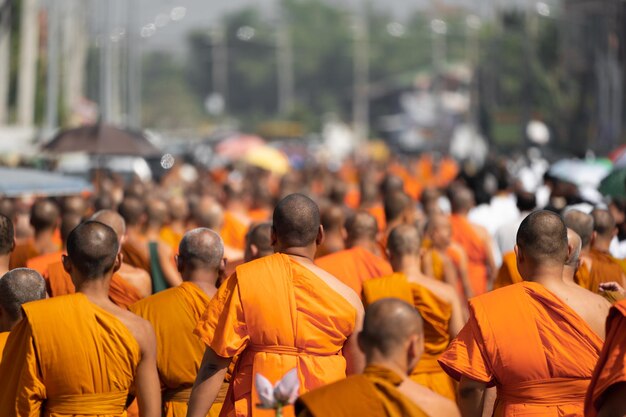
(491, 263)
(490, 401)
(457, 318)
(612, 402)
(208, 382)
(355, 359)
(170, 273)
(471, 397)
(449, 272)
(427, 265)
(467, 286)
(147, 383)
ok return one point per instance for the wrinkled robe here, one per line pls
(276, 315)
(40, 263)
(531, 345)
(464, 234)
(603, 269)
(436, 314)
(354, 266)
(59, 282)
(67, 357)
(21, 254)
(508, 273)
(134, 257)
(371, 394)
(174, 314)
(611, 367)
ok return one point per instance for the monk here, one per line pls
(333, 219)
(7, 242)
(604, 268)
(44, 218)
(17, 287)
(508, 273)
(362, 260)
(173, 232)
(162, 269)
(474, 240)
(80, 354)
(258, 242)
(174, 314)
(392, 340)
(437, 302)
(236, 221)
(209, 213)
(270, 311)
(40, 263)
(399, 209)
(537, 341)
(369, 201)
(582, 224)
(134, 248)
(607, 390)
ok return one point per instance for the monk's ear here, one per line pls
(179, 263)
(344, 234)
(518, 253)
(67, 264)
(273, 236)
(320, 235)
(13, 245)
(118, 263)
(254, 250)
(361, 342)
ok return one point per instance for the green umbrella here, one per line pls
(614, 184)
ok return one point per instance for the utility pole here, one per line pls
(284, 63)
(75, 55)
(219, 57)
(105, 62)
(134, 65)
(29, 50)
(5, 57)
(360, 100)
(53, 75)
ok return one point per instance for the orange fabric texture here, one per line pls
(260, 215)
(170, 237)
(464, 234)
(531, 345)
(277, 315)
(59, 282)
(611, 367)
(134, 257)
(174, 314)
(21, 254)
(354, 266)
(40, 263)
(3, 341)
(583, 277)
(436, 314)
(603, 269)
(372, 394)
(233, 231)
(508, 273)
(378, 211)
(67, 357)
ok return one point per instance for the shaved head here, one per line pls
(112, 219)
(74, 205)
(259, 235)
(461, 199)
(296, 221)
(574, 244)
(178, 208)
(542, 237)
(581, 223)
(92, 248)
(208, 213)
(362, 226)
(20, 286)
(68, 222)
(439, 229)
(201, 248)
(156, 211)
(333, 218)
(603, 223)
(7, 235)
(404, 240)
(388, 325)
(395, 205)
(132, 209)
(391, 184)
(44, 215)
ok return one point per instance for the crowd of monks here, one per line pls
(378, 285)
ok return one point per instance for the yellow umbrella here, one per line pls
(268, 158)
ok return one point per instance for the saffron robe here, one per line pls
(582, 276)
(59, 282)
(464, 234)
(40, 263)
(611, 367)
(233, 231)
(276, 315)
(170, 237)
(3, 341)
(174, 314)
(21, 254)
(436, 314)
(354, 266)
(531, 345)
(67, 357)
(371, 394)
(508, 273)
(603, 269)
(134, 257)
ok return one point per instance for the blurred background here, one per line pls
(460, 77)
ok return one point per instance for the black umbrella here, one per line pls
(102, 139)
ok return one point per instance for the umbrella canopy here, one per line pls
(15, 182)
(268, 158)
(580, 172)
(236, 147)
(614, 184)
(102, 140)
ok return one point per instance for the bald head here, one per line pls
(581, 223)
(44, 215)
(17, 287)
(296, 221)
(7, 235)
(132, 211)
(258, 242)
(542, 238)
(92, 248)
(178, 208)
(603, 223)
(461, 200)
(439, 230)
(361, 226)
(396, 205)
(574, 244)
(388, 325)
(404, 240)
(208, 213)
(74, 205)
(391, 184)
(156, 211)
(68, 222)
(112, 219)
(200, 248)
(333, 218)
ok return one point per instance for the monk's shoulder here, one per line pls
(338, 286)
(140, 328)
(497, 298)
(428, 401)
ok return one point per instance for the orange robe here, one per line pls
(170, 237)
(3, 341)
(508, 273)
(276, 315)
(174, 314)
(464, 234)
(59, 282)
(67, 357)
(611, 367)
(134, 257)
(234, 231)
(378, 211)
(371, 394)
(582, 276)
(40, 263)
(260, 215)
(532, 346)
(603, 269)
(436, 314)
(354, 266)
(21, 254)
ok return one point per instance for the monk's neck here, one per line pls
(368, 245)
(397, 367)
(134, 233)
(546, 274)
(97, 290)
(43, 240)
(408, 265)
(207, 281)
(298, 254)
(178, 226)
(568, 274)
(601, 246)
(4, 264)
